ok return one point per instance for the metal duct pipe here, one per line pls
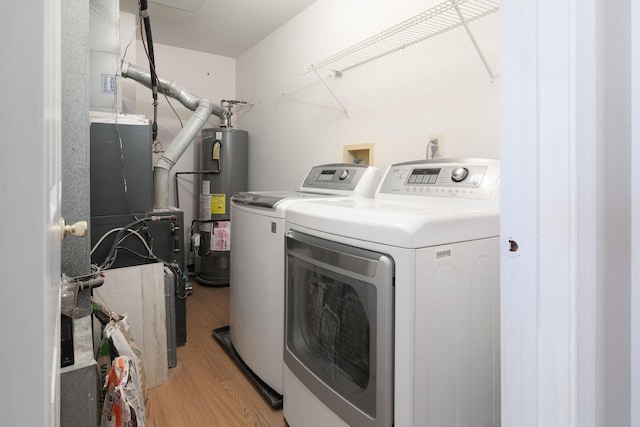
(178, 146)
(170, 88)
(203, 109)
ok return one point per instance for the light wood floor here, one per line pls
(206, 388)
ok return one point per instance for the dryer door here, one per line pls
(339, 318)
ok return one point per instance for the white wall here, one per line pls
(437, 86)
(104, 55)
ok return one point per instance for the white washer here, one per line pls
(438, 223)
(256, 288)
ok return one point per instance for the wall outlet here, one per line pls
(435, 146)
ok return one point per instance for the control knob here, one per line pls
(459, 174)
(343, 175)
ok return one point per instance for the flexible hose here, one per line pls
(144, 13)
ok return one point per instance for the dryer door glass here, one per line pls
(339, 312)
(332, 317)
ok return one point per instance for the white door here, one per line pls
(30, 191)
(570, 213)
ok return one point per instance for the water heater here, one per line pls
(224, 161)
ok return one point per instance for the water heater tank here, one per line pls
(225, 154)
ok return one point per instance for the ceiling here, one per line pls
(220, 27)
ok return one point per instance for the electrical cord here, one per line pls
(144, 14)
(108, 261)
(117, 127)
(131, 232)
(122, 234)
(433, 144)
(175, 269)
(146, 51)
(95, 272)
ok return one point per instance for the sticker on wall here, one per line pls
(108, 82)
(218, 204)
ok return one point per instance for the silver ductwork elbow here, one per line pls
(180, 143)
(203, 110)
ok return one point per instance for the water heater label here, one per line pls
(205, 214)
(218, 204)
(221, 240)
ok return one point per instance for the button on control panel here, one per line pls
(459, 174)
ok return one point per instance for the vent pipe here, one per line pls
(202, 108)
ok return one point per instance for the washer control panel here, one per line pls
(454, 178)
(341, 177)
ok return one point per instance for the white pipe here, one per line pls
(203, 109)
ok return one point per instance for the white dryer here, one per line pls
(256, 317)
(392, 303)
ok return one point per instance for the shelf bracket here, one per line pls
(338, 74)
(465, 24)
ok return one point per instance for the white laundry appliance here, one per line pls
(392, 303)
(256, 324)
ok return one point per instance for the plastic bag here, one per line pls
(123, 405)
(121, 367)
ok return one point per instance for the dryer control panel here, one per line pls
(476, 179)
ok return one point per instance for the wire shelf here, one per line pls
(430, 23)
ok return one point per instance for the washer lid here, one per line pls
(271, 199)
(335, 179)
(399, 223)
